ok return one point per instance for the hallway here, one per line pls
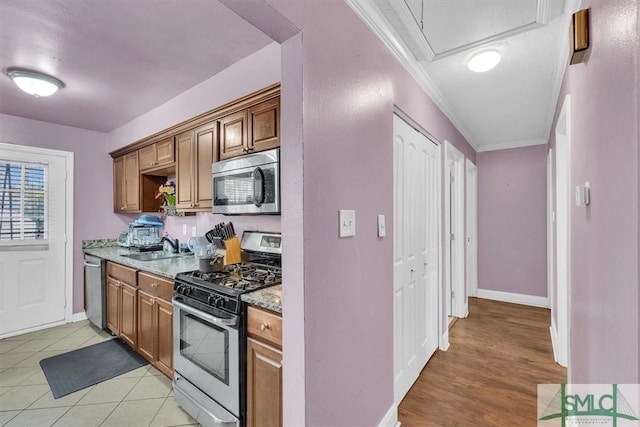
(488, 376)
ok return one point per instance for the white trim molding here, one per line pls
(553, 331)
(391, 417)
(444, 340)
(78, 317)
(512, 144)
(532, 300)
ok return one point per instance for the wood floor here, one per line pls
(488, 376)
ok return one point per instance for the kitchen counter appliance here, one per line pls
(248, 184)
(95, 273)
(209, 331)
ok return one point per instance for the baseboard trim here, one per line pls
(444, 340)
(531, 300)
(390, 418)
(77, 317)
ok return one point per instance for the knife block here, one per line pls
(232, 255)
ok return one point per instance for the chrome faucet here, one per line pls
(175, 244)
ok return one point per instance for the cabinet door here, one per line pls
(164, 322)
(206, 154)
(118, 184)
(264, 125)
(113, 304)
(131, 191)
(146, 326)
(147, 157)
(264, 385)
(128, 315)
(184, 171)
(233, 135)
(164, 152)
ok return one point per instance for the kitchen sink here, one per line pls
(151, 256)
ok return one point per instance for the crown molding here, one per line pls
(372, 17)
(512, 144)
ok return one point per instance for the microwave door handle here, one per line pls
(258, 186)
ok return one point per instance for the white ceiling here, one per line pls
(118, 58)
(509, 106)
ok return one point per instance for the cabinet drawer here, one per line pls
(122, 273)
(264, 324)
(156, 285)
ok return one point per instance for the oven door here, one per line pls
(207, 353)
(254, 189)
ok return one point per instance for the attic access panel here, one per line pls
(451, 26)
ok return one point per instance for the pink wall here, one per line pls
(512, 227)
(350, 84)
(92, 208)
(604, 236)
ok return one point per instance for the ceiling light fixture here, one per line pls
(34, 83)
(484, 61)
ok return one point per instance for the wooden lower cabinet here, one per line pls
(122, 307)
(155, 324)
(140, 312)
(264, 368)
(264, 385)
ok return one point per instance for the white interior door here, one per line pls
(32, 239)
(472, 228)
(564, 198)
(416, 257)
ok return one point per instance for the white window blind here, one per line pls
(23, 201)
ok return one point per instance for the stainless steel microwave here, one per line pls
(248, 184)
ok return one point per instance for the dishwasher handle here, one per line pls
(88, 264)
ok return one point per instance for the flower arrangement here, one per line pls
(168, 192)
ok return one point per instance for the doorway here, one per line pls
(416, 253)
(560, 316)
(454, 232)
(36, 223)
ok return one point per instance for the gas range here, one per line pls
(209, 334)
(222, 289)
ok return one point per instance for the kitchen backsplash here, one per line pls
(205, 221)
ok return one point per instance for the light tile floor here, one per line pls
(142, 397)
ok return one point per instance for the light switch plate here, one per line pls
(347, 227)
(382, 229)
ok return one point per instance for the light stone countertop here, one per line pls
(269, 298)
(163, 267)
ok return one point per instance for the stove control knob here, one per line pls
(211, 299)
(220, 302)
(179, 289)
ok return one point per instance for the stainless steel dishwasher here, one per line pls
(95, 273)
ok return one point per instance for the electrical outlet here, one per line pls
(184, 229)
(382, 230)
(347, 223)
(193, 231)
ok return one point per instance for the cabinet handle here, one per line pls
(264, 327)
(154, 285)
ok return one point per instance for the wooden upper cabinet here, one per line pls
(264, 126)
(157, 155)
(254, 129)
(196, 150)
(233, 135)
(184, 170)
(126, 183)
(206, 154)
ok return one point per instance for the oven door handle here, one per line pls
(206, 316)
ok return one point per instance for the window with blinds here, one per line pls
(23, 201)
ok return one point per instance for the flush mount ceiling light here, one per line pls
(34, 83)
(484, 61)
